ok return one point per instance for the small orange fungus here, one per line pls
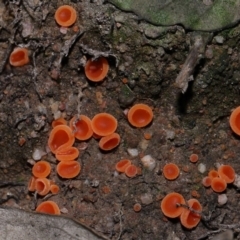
(147, 136)
(49, 207)
(96, 70)
(235, 120)
(104, 124)
(66, 153)
(137, 207)
(31, 184)
(193, 158)
(171, 171)
(81, 128)
(109, 142)
(19, 57)
(65, 16)
(218, 184)
(59, 121)
(213, 174)
(170, 205)
(54, 189)
(41, 169)
(190, 219)
(59, 136)
(68, 169)
(122, 165)
(42, 186)
(131, 171)
(227, 173)
(206, 181)
(140, 115)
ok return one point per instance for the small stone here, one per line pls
(219, 39)
(133, 152)
(38, 154)
(63, 210)
(202, 168)
(148, 162)
(170, 134)
(146, 198)
(222, 199)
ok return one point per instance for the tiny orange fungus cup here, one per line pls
(193, 158)
(122, 165)
(59, 121)
(104, 124)
(109, 142)
(54, 189)
(68, 169)
(81, 128)
(19, 57)
(65, 16)
(49, 207)
(213, 174)
(42, 186)
(227, 173)
(207, 181)
(235, 120)
(171, 205)
(137, 207)
(61, 135)
(140, 115)
(96, 70)
(218, 185)
(31, 184)
(190, 219)
(131, 171)
(41, 169)
(66, 153)
(171, 171)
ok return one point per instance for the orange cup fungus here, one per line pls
(206, 181)
(213, 174)
(170, 205)
(140, 115)
(235, 120)
(193, 158)
(190, 219)
(218, 184)
(171, 171)
(68, 169)
(59, 136)
(137, 207)
(96, 70)
(42, 186)
(41, 169)
(59, 121)
(227, 173)
(104, 124)
(109, 142)
(81, 128)
(49, 207)
(66, 153)
(122, 165)
(54, 189)
(19, 57)
(31, 184)
(131, 171)
(65, 16)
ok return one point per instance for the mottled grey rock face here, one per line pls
(203, 15)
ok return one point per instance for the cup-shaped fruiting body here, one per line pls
(81, 127)
(171, 171)
(137, 207)
(235, 120)
(140, 115)
(122, 165)
(218, 185)
(191, 217)
(68, 169)
(59, 121)
(109, 142)
(96, 70)
(41, 169)
(31, 184)
(54, 189)
(42, 186)
(207, 181)
(131, 171)
(193, 158)
(19, 57)
(66, 153)
(213, 174)
(49, 207)
(227, 173)
(171, 205)
(59, 136)
(65, 16)
(104, 124)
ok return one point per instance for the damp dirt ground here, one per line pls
(144, 63)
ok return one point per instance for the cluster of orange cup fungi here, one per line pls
(126, 166)
(174, 205)
(219, 179)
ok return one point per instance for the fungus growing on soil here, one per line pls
(49, 207)
(137, 207)
(235, 120)
(19, 57)
(140, 115)
(193, 158)
(218, 185)
(206, 181)
(191, 217)
(66, 153)
(171, 205)
(59, 136)
(65, 16)
(42, 186)
(122, 165)
(54, 189)
(171, 171)
(213, 174)
(41, 169)
(109, 142)
(81, 128)
(31, 184)
(227, 173)
(96, 70)
(68, 169)
(131, 171)
(59, 121)
(104, 124)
